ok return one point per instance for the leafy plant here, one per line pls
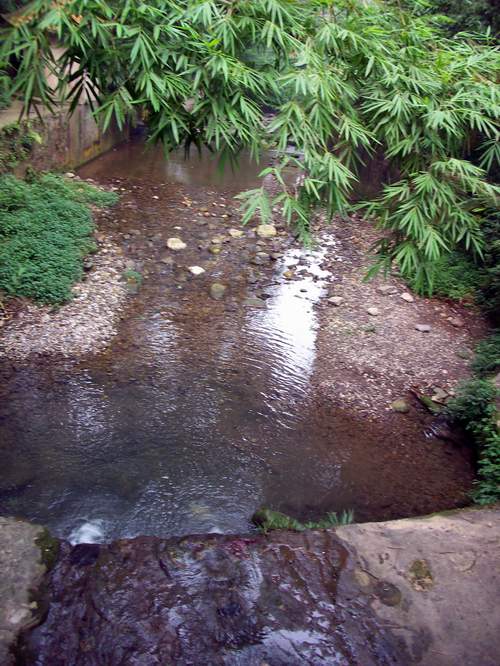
(5, 97)
(45, 232)
(347, 78)
(475, 409)
(267, 519)
(487, 358)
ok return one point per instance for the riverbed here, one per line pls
(202, 410)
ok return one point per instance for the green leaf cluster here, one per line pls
(347, 79)
(45, 232)
(267, 519)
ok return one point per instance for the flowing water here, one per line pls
(200, 411)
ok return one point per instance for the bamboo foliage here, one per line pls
(347, 79)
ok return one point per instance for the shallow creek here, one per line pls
(200, 410)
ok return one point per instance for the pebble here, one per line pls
(336, 301)
(215, 249)
(374, 312)
(236, 233)
(456, 322)
(407, 297)
(288, 275)
(423, 328)
(387, 289)
(176, 244)
(196, 270)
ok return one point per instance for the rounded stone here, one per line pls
(217, 291)
(176, 244)
(266, 230)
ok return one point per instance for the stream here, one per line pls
(199, 412)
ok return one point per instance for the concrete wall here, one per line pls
(66, 142)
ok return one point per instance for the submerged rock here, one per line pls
(400, 406)
(218, 291)
(254, 302)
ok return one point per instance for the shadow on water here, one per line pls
(200, 411)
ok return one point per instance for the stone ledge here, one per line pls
(21, 572)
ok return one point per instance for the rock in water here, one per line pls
(196, 270)
(176, 244)
(266, 230)
(254, 302)
(217, 291)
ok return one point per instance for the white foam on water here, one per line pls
(91, 531)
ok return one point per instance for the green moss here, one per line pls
(49, 548)
(420, 575)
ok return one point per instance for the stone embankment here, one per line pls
(417, 591)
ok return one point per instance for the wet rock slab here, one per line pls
(417, 591)
(201, 600)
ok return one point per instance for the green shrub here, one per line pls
(487, 358)
(474, 408)
(455, 276)
(489, 296)
(473, 403)
(45, 232)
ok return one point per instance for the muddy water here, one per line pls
(201, 410)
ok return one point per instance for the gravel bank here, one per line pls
(85, 325)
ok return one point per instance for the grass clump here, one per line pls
(267, 519)
(475, 409)
(45, 233)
